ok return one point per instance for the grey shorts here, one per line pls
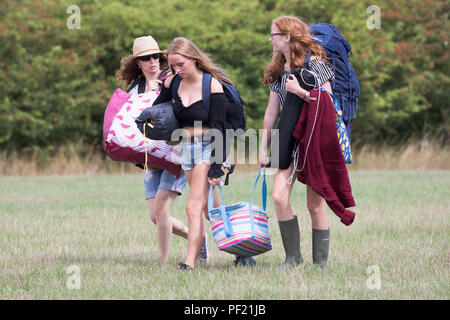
(159, 179)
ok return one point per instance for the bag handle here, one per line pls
(264, 198)
(264, 188)
(223, 213)
(264, 191)
(225, 218)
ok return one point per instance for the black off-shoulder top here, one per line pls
(216, 119)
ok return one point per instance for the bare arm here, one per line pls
(216, 87)
(270, 119)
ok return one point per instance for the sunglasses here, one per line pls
(277, 34)
(154, 56)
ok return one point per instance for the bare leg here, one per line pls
(197, 199)
(159, 211)
(178, 227)
(316, 207)
(281, 194)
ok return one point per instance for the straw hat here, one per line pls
(144, 46)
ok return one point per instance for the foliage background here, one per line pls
(56, 82)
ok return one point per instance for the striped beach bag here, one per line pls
(241, 228)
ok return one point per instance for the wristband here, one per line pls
(226, 165)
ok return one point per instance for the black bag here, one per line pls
(305, 78)
(159, 121)
(292, 109)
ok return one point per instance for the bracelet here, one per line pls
(226, 165)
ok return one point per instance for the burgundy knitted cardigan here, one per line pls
(321, 163)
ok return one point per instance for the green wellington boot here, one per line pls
(290, 234)
(320, 247)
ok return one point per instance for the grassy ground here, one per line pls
(397, 248)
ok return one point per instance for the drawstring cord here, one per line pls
(294, 169)
(296, 152)
(145, 147)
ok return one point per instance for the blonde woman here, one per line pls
(142, 72)
(291, 42)
(202, 163)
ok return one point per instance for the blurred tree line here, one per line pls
(56, 81)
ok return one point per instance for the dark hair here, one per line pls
(129, 70)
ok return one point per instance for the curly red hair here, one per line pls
(301, 44)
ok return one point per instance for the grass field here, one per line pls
(397, 248)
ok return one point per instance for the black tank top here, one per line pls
(187, 115)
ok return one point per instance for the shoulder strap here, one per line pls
(175, 84)
(307, 59)
(140, 82)
(135, 83)
(206, 90)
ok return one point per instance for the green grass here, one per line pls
(101, 224)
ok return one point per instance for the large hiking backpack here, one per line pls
(346, 85)
(235, 117)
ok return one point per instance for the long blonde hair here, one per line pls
(188, 49)
(129, 70)
(300, 43)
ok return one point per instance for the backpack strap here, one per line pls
(175, 84)
(206, 90)
(307, 59)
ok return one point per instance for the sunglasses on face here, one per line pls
(154, 56)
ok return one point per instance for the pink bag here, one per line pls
(122, 140)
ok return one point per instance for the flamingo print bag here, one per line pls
(122, 140)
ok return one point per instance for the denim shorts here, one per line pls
(193, 153)
(159, 179)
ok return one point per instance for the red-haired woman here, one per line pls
(292, 43)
